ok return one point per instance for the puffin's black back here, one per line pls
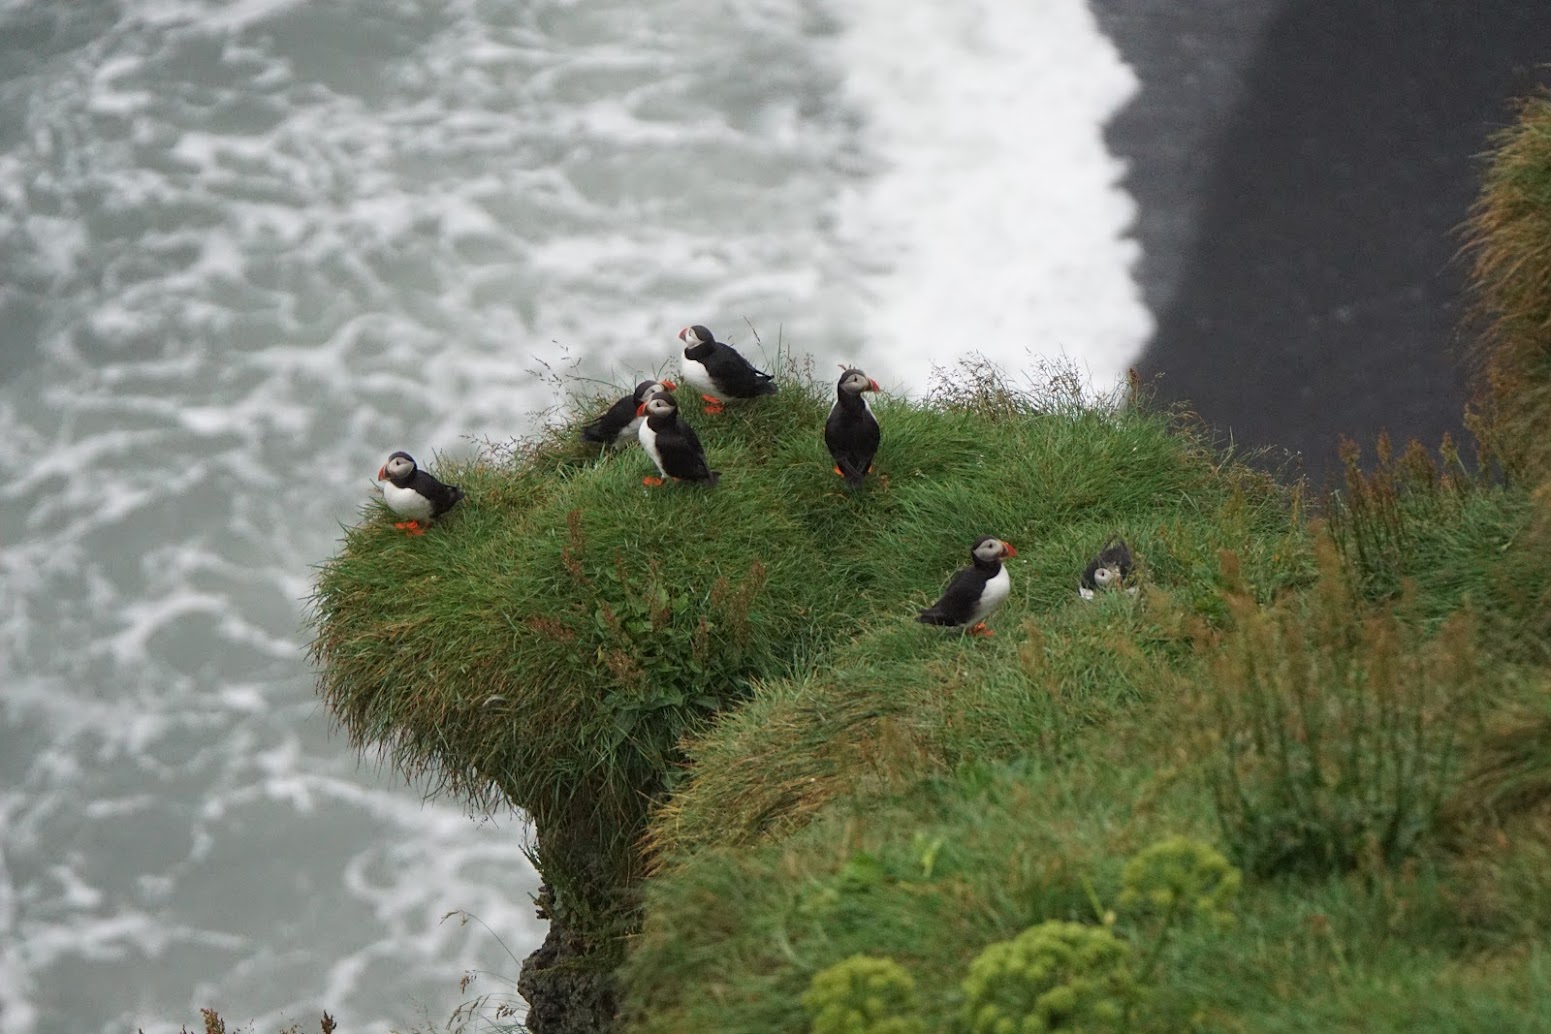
(682, 455)
(958, 601)
(852, 435)
(616, 418)
(607, 428)
(734, 375)
(443, 497)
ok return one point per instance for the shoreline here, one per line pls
(1302, 175)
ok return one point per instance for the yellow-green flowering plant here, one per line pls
(863, 995)
(1056, 976)
(1175, 881)
(1180, 878)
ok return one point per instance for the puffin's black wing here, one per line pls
(443, 497)
(958, 600)
(734, 374)
(852, 438)
(681, 452)
(615, 419)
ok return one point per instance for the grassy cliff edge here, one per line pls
(1302, 782)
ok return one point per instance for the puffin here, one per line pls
(851, 432)
(619, 423)
(974, 591)
(1109, 570)
(718, 371)
(671, 443)
(411, 492)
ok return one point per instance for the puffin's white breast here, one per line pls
(699, 377)
(995, 594)
(648, 439)
(406, 502)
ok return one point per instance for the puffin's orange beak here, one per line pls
(682, 333)
(641, 409)
(1007, 549)
(670, 385)
(382, 472)
(872, 385)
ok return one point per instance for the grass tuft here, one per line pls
(1510, 241)
(212, 1023)
(1334, 726)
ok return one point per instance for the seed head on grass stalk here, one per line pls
(1333, 726)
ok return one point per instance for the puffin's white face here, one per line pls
(398, 466)
(660, 405)
(696, 335)
(1106, 577)
(854, 382)
(990, 548)
(647, 390)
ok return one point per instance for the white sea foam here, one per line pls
(272, 241)
(994, 223)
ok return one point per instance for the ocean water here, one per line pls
(248, 247)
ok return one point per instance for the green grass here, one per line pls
(746, 761)
(552, 641)
(918, 798)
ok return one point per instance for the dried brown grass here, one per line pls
(1509, 239)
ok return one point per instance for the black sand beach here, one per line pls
(1303, 169)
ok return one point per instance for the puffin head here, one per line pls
(644, 390)
(696, 335)
(854, 382)
(988, 548)
(1106, 577)
(659, 403)
(399, 465)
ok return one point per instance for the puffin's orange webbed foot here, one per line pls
(651, 482)
(713, 405)
(981, 630)
(410, 527)
(839, 472)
